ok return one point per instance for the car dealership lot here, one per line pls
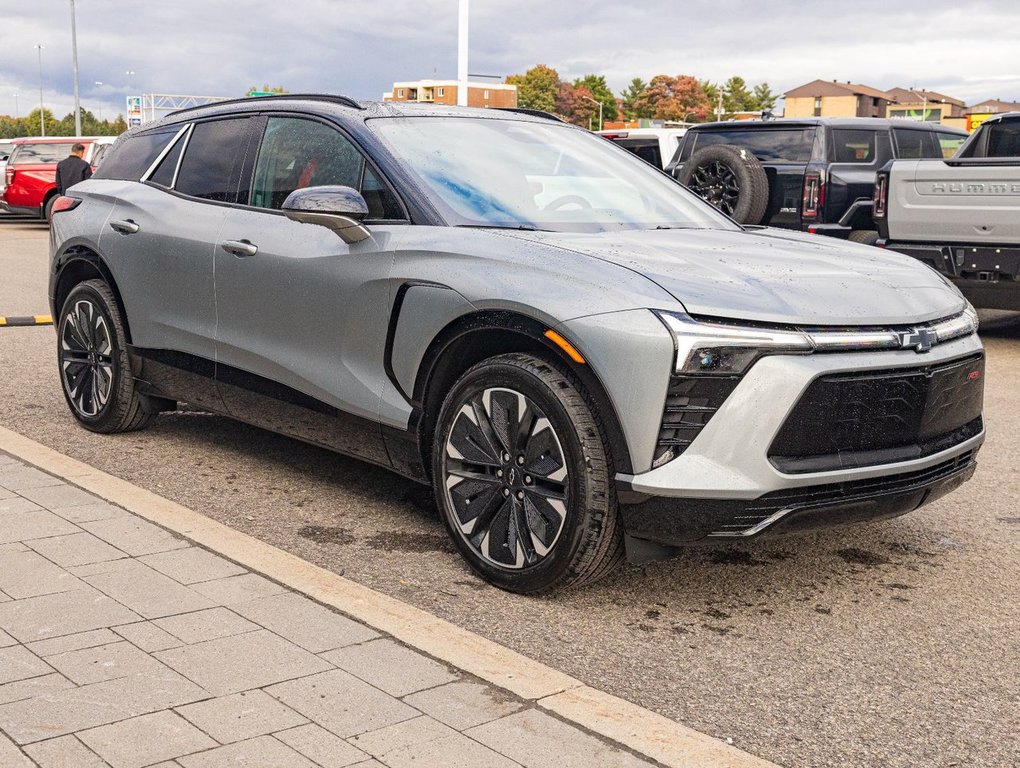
(886, 644)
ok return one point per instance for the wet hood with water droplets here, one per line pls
(775, 276)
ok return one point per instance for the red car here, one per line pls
(32, 171)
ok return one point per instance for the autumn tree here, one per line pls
(538, 88)
(575, 104)
(677, 98)
(596, 85)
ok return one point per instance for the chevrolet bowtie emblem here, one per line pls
(920, 340)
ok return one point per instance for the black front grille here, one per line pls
(690, 402)
(877, 417)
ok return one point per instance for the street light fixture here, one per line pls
(42, 117)
(74, 62)
(599, 104)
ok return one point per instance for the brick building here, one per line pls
(825, 98)
(445, 92)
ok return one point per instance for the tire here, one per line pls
(48, 208)
(95, 370)
(548, 516)
(863, 236)
(729, 178)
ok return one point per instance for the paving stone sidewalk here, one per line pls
(123, 645)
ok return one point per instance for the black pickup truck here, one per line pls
(812, 174)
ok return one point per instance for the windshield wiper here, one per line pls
(524, 227)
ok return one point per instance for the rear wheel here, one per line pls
(523, 479)
(48, 207)
(731, 179)
(93, 361)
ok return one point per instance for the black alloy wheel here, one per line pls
(718, 184)
(523, 478)
(730, 178)
(95, 370)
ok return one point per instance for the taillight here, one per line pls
(63, 203)
(881, 199)
(9, 176)
(813, 196)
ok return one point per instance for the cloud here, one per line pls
(360, 47)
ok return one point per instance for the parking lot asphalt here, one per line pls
(888, 644)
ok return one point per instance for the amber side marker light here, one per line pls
(565, 345)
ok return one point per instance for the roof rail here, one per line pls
(532, 112)
(346, 101)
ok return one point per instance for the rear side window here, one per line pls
(24, 154)
(913, 145)
(210, 166)
(792, 145)
(646, 149)
(949, 143)
(164, 173)
(851, 146)
(1004, 139)
(131, 157)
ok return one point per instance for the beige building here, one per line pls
(445, 92)
(918, 104)
(825, 98)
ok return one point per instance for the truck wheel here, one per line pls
(731, 179)
(524, 479)
(864, 236)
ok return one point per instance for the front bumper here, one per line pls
(725, 484)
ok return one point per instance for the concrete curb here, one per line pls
(634, 727)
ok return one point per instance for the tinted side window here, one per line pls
(298, 153)
(164, 173)
(850, 146)
(209, 167)
(911, 145)
(791, 145)
(40, 153)
(1004, 139)
(131, 157)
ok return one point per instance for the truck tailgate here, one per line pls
(931, 201)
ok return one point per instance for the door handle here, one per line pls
(126, 227)
(239, 248)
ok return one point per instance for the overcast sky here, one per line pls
(360, 47)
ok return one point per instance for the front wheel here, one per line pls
(523, 478)
(93, 361)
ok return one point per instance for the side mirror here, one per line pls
(337, 208)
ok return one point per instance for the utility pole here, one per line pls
(42, 117)
(74, 61)
(462, 54)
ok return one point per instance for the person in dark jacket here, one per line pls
(72, 169)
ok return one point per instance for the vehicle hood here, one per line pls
(773, 275)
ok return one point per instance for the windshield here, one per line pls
(526, 175)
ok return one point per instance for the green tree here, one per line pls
(31, 123)
(736, 96)
(764, 99)
(713, 94)
(537, 88)
(629, 97)
(266, 88)
(596, 85)
(118, 126)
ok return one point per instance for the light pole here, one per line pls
(599, 104)
(98, 84)
(42, 117)
(74, 66)
(462, 54)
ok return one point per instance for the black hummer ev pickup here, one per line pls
(814, 174)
